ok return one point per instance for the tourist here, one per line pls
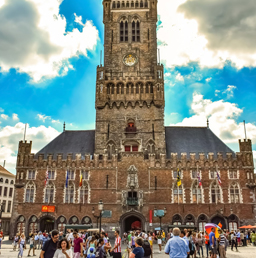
(130, 239)
(222, 244)
(194, 241)
(200, 245)
(36, 240)
(133, 240)
(147, 248)
(183, 235)
(150, 240)
(63, 250)
(41, 240)
(207, 244)
(238, 237)
(233, 241)
(117, 246)
(159, 241)
(78, 245)
(50, 246)
(100, 250)
(163, 237)
(31, 245)
(177, 246)
(138, 251)
(61, 236)
(15, 242)
(213, 243)
(22, 245)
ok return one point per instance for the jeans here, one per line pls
(233, 243)
(200, 247)
(207, 249)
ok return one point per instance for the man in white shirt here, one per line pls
(36, 239)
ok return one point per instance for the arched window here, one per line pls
(215, 193)
(114, 5)
(196, 193)
(177, 194)
(61, 223)
(111, 149)
(151, 147)
(137, 4)
(123, 4)
(136, 31)
(176, 220)
(84, 193)
(141, 3)
(12, 182)
(190, 220)
(137, 88)
(109, 87)
(202, 220)
(118, 4)
(30, 193)
(234, 193)
(131, 87)
(1, 180)
(232, 222)
(86, 220)
(127, 4)
(112, 89)
(122, 88)
(127, 88)
(146, 4)
(49, 194)
(132, 4)
(6, 181)
(33, 224)
(117, 89)
(20, 225)
(70, 193)
(149, 87)
(124, 31)
(73, 220)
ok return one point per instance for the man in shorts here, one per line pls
(78, 245)
(213, 246)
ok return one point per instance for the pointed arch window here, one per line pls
(234, 193)
(123, 4)
(215, 193)
(84, 193)
(151, 147)
(177, 194)
(196, 193)
(124, 31)
(127, 4)
(137, 4)
(70, 193)
(136, 31)
(132, 4)
(114, 5)
(118, 4)
(49, 193)
(30, 193)
(141, 3)
(146, 4)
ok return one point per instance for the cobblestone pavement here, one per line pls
(244, 252)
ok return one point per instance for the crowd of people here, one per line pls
(184, 243)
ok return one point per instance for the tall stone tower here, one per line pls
(130, 86)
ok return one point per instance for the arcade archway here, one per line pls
(47, 224)
(219, 219)
(132, 221)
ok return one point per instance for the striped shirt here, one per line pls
(118, 243)
(222, 240)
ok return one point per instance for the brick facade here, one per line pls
(115, 174)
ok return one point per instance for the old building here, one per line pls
(7, 180)
(131, 160)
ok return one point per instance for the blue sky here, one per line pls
(48, 73)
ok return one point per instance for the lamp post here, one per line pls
(100, 208)
(160, 216)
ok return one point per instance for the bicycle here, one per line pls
(126, 253)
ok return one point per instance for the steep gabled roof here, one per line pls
(70, 142)
(5, 172)
(193, 140)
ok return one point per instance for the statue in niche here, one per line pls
(132, 178)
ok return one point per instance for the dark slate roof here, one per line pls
(70, 142)
(193, 140)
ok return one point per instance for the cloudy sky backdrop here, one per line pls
(49, 50)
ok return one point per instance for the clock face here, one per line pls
(130, 59)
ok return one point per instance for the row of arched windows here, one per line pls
(128, 4)
(70, 193)
(130, 88)
(6, 181)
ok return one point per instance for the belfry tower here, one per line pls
(130, 86)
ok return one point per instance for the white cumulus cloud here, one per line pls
(11, 135)
(209, 32)
(15, 117)
(5, 117)
(34, 39)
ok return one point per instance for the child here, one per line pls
(91, 254)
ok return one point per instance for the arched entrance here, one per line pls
(47, 224)
(132, 220)
(218, 219)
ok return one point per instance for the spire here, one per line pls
(208, 123)
(64, 127)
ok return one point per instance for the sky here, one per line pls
(49, 51)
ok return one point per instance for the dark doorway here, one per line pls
(132, 223)
(218, 219)
(47, 224)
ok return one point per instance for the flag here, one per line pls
(178, 178)
(199, 179)
(81, 181)
(46, 178)
(67, 180)
(218, 177)
(220, 225)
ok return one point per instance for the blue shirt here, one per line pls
(210, 239)
(177, 247)
(139, 252)
(238, 234)
(186, 239)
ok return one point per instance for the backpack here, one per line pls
(147, 248)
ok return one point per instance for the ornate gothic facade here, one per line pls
(131, 160)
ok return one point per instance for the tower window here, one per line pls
(132, 4)
(137, 89)
(149, 87)
(117, 89)
(127, 4)
(141, 3)
(137, 4)
(118, 4)
(146, 4)
(124, 31)
(135, 31)
(110, 88)
(123, 4)
(114, 5)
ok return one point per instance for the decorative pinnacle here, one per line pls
(64, 127)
